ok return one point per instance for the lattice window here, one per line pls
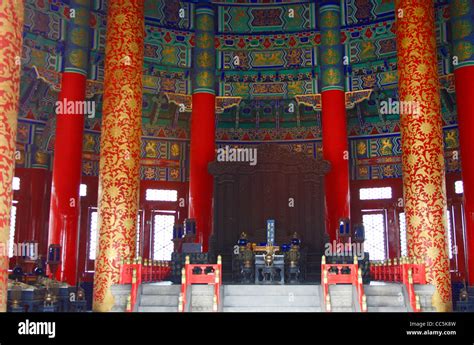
(403, 234)
(93, 235)
(11, 238)
(161, 195)
(139, 226)
(163, 236)
(458, 187)
(374, 225)
(82, 189)
(450, 237)
(16, 183)
(375, 193)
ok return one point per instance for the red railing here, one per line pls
(329, 277)
(404, 270)
(201, 274)
(134, 272)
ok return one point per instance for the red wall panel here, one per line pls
(33, 213)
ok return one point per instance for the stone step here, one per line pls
(383, 290)
(387, 309)
(425, 289)
(341, 301)
(198, 301)
(271, 290)
(271, 301)
(341, 309)
(272, 309)
(154, 309)
(202, 290)
(428, 310)
(385, 301)
(340, 290)
(426, 300)
(201, 310)
(159, 300)
(154, 289)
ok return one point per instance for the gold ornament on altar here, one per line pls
(247, 255)
(269, 255)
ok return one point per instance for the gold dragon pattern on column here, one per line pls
(422, 144)
(119, 179)
(11, 27)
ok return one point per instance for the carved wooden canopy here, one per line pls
(273, 157)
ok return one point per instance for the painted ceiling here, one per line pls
(278, 60)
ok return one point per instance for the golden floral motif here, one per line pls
(77, 58)
(204, 60)
(332, 76)
(174, 173)
(120, 145)
(386, 147)
(204, 79)
(459, 7)
(463, 50)
(329, 19)
(330, 56)
(461, 29)
(205, 23)
(422, 145)
(388, 171)
(151, 149)
(78, 37)
(363, 171)
(11, 25)
(204, 40)
(361, 148)
(41, 158)
(149, 173)
(451, 139)
(81, 17)
(175, 150)
(330, 38)
(367, 49)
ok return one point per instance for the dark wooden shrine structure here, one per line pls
(284, 185)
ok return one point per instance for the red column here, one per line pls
(202, 152)
(335, 150)
(335, 143)
(465, 105)
(203, 125)
(65, 203)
